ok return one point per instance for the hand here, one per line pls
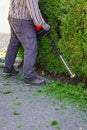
(44, 31)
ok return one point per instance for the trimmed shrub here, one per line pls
(68, 20)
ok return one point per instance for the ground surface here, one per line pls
(36, 111)
(21, 108)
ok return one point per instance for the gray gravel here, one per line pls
(36, 111)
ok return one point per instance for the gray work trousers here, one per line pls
(22, 32)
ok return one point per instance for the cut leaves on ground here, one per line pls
(74, 95)
(15, 103)
(16, 113)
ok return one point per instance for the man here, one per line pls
(23, 16)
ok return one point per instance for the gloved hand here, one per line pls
(43, 31)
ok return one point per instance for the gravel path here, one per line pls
(22, 108)
(36, 111)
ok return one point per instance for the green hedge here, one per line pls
(68, 20)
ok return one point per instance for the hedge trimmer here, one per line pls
(41, 31)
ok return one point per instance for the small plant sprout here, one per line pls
(58, 127)
(8, 92)
(6, 84)
(15, 103)
(16, 113)
(19, 126)
(54, 123)
(6, 77)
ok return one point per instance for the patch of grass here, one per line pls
(63, 106)
(19, 126)
(58, 127)
(54, 123)
(34, 94)
(69, 93)
(37, 92)
(16, 113)
(57, 109)
(6, 84)
(17, 103)
(7, 92)
(6, 77)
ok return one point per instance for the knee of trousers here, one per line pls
(30, 44)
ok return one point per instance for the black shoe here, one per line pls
(10, 72)
(36, 81)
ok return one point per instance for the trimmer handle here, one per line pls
(42, 32)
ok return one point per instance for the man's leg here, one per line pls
(26, 34)
(11, 54)
(12, 50)
(29, 42)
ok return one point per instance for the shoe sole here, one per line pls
(36, 84)
(9, 74)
